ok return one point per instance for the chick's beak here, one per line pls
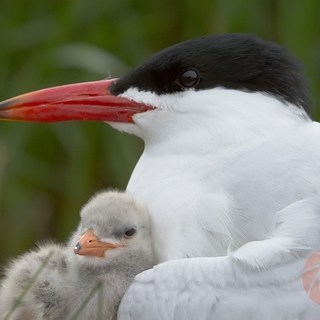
(90, 245)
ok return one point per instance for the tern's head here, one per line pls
(112, 224)
(232, 61)
(192, 83)
(210, 80)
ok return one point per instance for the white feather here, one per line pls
(233, 174)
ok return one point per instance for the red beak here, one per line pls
(81, 101)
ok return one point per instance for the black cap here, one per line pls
(232, 61)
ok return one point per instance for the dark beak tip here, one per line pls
(7, 103)
(77, 248)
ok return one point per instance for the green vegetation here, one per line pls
(47, 172)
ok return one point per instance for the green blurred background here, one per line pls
(48, 171)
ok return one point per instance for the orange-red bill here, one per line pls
(90, 245)
(81, 101)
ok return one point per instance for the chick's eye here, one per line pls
(130, 232)
(188, 79)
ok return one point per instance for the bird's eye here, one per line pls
(188, 79)
(130, 232)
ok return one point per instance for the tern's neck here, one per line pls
(219, 122)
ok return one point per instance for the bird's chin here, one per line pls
(98, 261)
(130, 128)
(91, 261)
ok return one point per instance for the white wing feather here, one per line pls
(260, 280)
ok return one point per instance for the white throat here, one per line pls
(216, 121)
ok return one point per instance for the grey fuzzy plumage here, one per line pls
(67, 279)
(44, 299)
(115, 273)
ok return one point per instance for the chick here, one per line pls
(87, 278)
(112, 245)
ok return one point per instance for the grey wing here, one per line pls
(190, 294)
(161, 293)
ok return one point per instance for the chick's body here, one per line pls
(112, 245)
(44, 297)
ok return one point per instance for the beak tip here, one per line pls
(77, 248)
(6, 104)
